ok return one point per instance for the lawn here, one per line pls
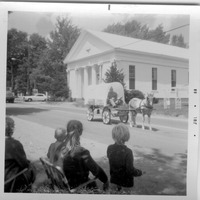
(163, 176)
(171, 110)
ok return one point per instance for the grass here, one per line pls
(171, 110)
(164, 175)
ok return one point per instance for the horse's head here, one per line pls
(149, 100)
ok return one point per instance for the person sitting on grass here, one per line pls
(121, 159)
(55, 151)
(16, 161)
(78, 162)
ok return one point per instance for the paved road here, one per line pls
(169, 136)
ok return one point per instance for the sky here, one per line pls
(44, 22)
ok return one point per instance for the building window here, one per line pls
(131, 77)
(173, 78)
(154, 78)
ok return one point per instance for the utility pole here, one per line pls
(12, 72)
(12, 75)
(28, 68)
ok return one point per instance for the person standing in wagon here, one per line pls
(122, 170)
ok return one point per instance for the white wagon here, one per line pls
(107, 100)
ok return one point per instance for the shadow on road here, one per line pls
(100, 120)
(23, 111)
(115, 121)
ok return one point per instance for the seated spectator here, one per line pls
(78, 162)
(55, 150)
(120, 159)
(16, 161)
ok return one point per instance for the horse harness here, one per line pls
(141, 107)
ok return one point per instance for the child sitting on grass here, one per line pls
(122, 170)
(60, 136)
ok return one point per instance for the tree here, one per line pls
(39, 61)
(114, 75)
(23, 54)
(178, 40)
(16, 53)
(137, 30)
(130, 29)
(33, 48)
(158, 35)
(62, 39)
(51, 70)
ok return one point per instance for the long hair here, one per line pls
(74, 131)
(72, 140)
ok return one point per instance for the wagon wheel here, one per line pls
(124, 118)
(90, 114)
(106, 116)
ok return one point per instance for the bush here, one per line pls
(129, 94)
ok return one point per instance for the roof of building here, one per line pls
(114, 41)
(128, 43)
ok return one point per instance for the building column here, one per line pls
(76, 82)
(85, 80)
(100, 73)
(94, 75)
(68, 80)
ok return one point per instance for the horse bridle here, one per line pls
(146, 106)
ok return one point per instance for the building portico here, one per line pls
(80, 78)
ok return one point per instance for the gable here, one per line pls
(85, 46)
(92, 43)
(139, 45)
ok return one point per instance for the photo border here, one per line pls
(194, 83)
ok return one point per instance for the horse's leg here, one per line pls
(130, 118)
(143, 120)
(134, 118)
(149, 121)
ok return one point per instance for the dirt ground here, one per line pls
(164, 175)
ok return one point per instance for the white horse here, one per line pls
(144, 106)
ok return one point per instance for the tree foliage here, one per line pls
(135, 29)
(178, 40)
(114, 75)
(16, 53)
(158, 35)
(38, 62)
(33, 47)
(51, 67)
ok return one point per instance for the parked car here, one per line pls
(10, 97)
(36, 97)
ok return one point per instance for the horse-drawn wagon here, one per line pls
(107, 100)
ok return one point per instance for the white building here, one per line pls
(148, 66)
